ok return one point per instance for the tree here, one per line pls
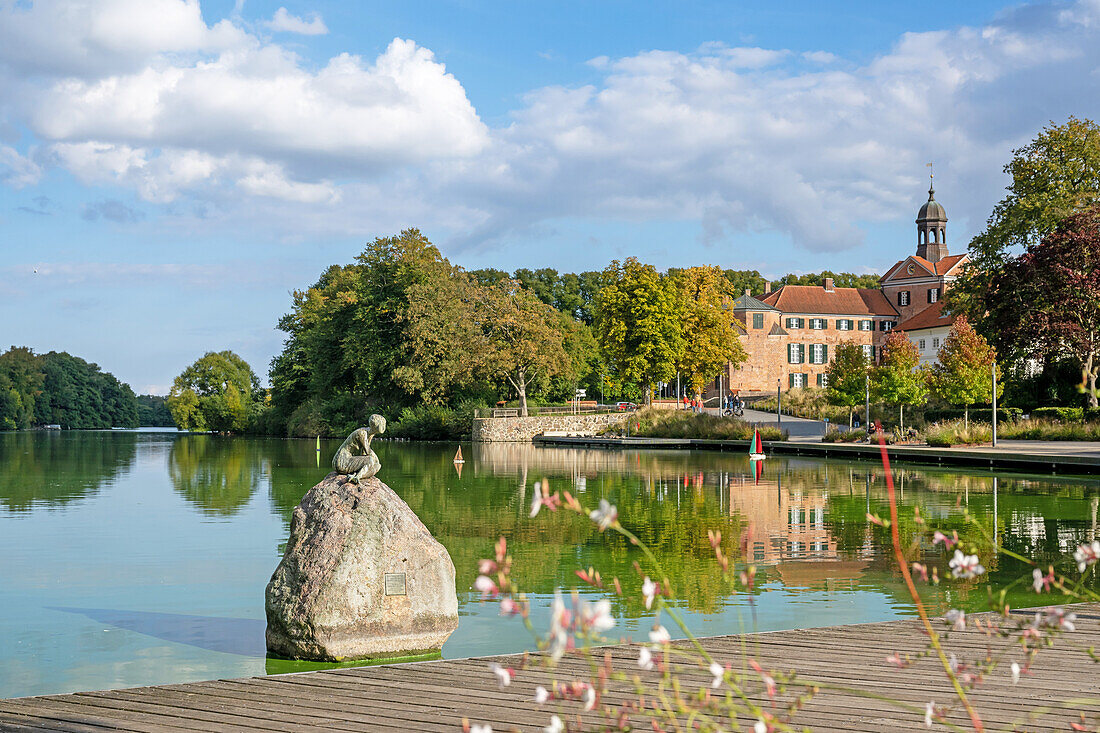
(1054, 176)
(21, 381)
(523, 337)
(638, 324)
(847, 378)
(1047, 300)
(219, 392)
(962, 374)
(711, 340)
(897, 380)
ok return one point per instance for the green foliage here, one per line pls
(653, 422)
(1039, 429)
(897, 380)
(219, 392)
(982, 413)
(847, 374)
(153, 412)
(1064, 414)
(962, 374)
(638, 324)
(1054, 176)
(57, 388)
(710, 336)
(809, 402)
(840, 280)
(434, 422)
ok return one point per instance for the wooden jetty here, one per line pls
(436, 696)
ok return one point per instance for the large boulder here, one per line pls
(361, 577)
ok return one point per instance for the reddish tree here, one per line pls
(1048, 298)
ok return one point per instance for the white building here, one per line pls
(928, 330)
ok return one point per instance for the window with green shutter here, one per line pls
(824, 353)
(801, 322)
(757, 320)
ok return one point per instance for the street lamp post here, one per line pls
(778, 404)
(994, 374)
(867, 405)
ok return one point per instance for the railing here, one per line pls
(582, 409)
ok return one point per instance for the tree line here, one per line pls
(60, 389)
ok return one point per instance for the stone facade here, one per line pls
(523, 429)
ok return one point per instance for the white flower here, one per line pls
(645, 658)
(716, 671)
(536, 502)
(1058, 618)
(649, 589)
(556, 726)
(1037, 580)
(597, 616)
(956, 618)
(660, 635)
(481, 729)
(605, 516)
(504, 674)
(589, 698)
(1087, 555)
(760, 726)
(541, 695)
(928, 709)
(965, 566)
(1015, 673)
(559, 639)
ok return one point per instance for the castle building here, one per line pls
(791, 334)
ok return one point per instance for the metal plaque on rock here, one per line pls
(395, 584)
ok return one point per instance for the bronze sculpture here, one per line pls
(355, 457)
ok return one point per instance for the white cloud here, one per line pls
(284, 22)
(16, 170)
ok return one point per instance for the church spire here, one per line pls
(932, 227)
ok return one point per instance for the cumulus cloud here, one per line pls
(218, 120)
(284, 22)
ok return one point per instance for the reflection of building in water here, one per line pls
(788, 530)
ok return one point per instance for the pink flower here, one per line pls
(605, 516)
(956, 618)
(1087, 555)
(1057, 618)
(504, 675)
(645, 658)
(768, 680)
(486, 567)
(948, 542)
(508, 607)
(920, 570)
(965, 566)
(718, 673)
(486, 585)
(1041, 582)
(649, 590)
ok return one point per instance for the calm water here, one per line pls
(133, 558)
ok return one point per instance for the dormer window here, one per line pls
(903, 297)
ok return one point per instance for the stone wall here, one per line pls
(522, 429)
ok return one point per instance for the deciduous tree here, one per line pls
(710, 336)
(963, 372)
(218, 392)
(638, 324)
(897, 380)
(847, 377)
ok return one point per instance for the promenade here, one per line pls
(849, 662)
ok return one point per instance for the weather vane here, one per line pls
(929, 170)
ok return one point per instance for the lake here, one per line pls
(141, 557)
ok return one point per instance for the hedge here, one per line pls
(1065, 414)
(980, 414)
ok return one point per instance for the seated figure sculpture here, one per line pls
(355, 457)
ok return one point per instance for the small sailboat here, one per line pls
(458, 456)
(756, 448)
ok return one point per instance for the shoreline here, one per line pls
(1056, 461)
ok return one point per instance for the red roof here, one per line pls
(838, 301)
(931, 317)
(942, 267)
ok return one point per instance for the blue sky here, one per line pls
(170, 170)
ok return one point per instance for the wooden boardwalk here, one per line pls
(435, 696)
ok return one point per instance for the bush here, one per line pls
(1092, 414)
(652, 422)
(980, 413)
(947, 434)
(434, 422)
(1049, 430)
(844, 436)
(1065, 414)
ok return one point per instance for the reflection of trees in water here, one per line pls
(216, 474)
(53, 468)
